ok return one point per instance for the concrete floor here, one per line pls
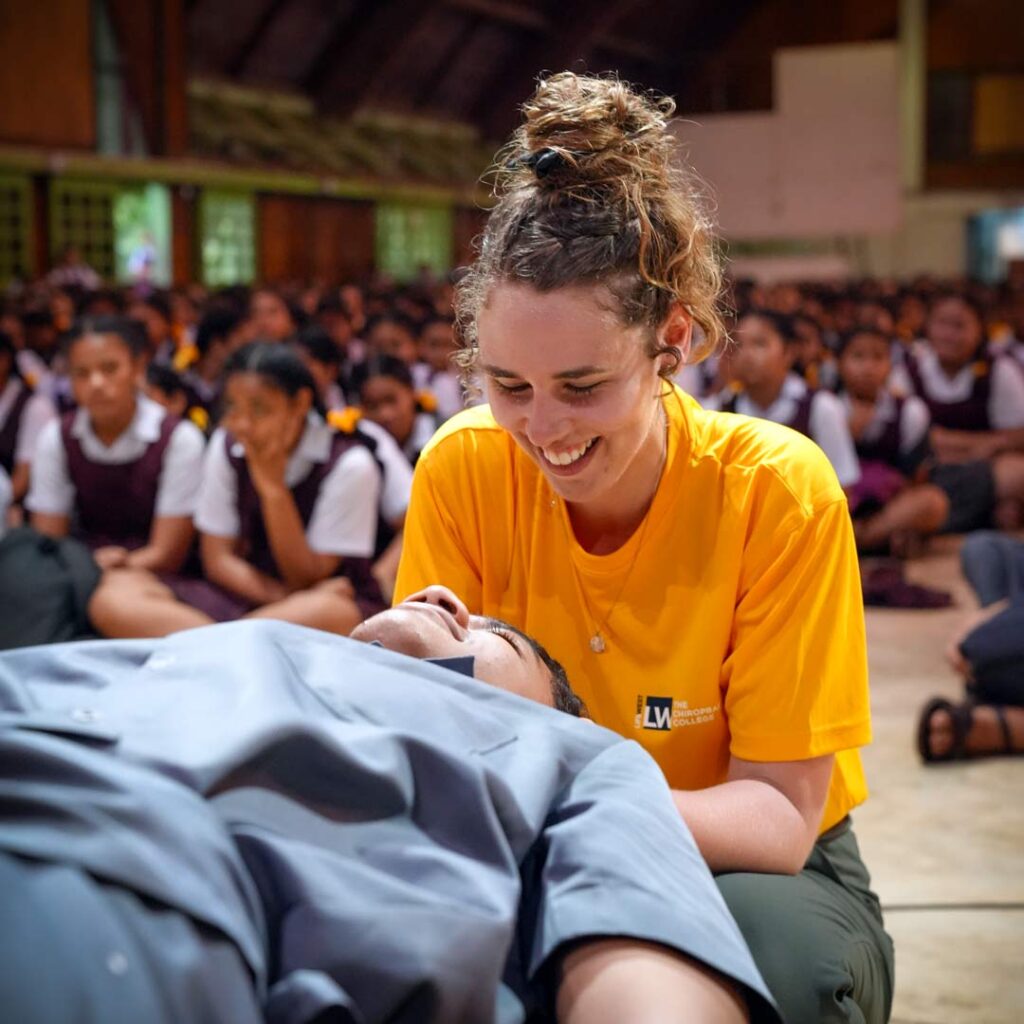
(945, 844)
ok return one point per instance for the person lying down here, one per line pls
(259, 821)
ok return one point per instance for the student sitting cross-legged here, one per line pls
(287, 515)
(120, 472)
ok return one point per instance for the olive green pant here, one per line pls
(818, 937)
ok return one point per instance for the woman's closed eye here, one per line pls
(573, 392)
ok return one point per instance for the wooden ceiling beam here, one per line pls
(532, 20)
(235, 65)
(362, 49)
(575, 28)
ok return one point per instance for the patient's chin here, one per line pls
(397, 631)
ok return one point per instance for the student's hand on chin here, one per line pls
(111, 557)
(267, 463)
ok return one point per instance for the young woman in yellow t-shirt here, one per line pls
(694, 571)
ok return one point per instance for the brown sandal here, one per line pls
(961, 717)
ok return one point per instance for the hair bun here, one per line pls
(590, 131)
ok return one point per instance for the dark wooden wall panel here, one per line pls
(46, 78)
(469, 223)
(183, 235)
(309, 239)
(151, 35)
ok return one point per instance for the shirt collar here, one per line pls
(145, 424)
(315, 443)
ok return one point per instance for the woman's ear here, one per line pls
(676, 331)
(303, 401)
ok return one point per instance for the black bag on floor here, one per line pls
(45, 586)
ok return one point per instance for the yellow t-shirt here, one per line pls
(739, 625)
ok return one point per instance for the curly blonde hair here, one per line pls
(589, 191)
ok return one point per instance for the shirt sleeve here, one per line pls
(396, 485)
(1006, 399)
(217, 504)
(448, 393)
(795, 678)
(615, 830)
(915, 422)
(181, 475)
(831, 430)
(6, 492)
(344, 519)
(435, 549)
(38, 412)
(50, 491)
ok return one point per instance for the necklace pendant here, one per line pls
(597, 643)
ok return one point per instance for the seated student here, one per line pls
(286, 515)
(318, 353)
(989, 654)
(24, 412)
(891, 503)
(219, 333)
(762, 364)
(324, 361)
(154, 313)
(814, 362)
(434, 370)
(120, 473)
(309, 828)
(166, 387)
(272, 317)
(387, 396)
(333, 316)
(392, 334)
(977, 408)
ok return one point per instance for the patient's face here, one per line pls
(434, 623)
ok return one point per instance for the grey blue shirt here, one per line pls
(363, 827)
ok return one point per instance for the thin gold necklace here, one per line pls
(597, 641)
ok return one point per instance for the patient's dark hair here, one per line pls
(563, 697)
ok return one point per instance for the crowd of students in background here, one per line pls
(250, 451)
(243, 452)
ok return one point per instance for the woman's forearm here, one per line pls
(746, 825)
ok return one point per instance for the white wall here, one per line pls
(824, 162)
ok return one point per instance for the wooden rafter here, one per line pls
(575, 28)
(235, 64)
(360, 51)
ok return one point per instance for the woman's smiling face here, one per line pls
(574, 387)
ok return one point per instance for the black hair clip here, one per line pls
(544, 161)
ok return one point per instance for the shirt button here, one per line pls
(117, 963)
(84, 715)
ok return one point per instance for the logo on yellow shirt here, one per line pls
(657, 713)
(664, 713)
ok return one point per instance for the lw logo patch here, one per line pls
(657, 713)
(664, 713)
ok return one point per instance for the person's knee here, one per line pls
(981, 552)
(936, 509)
(818, 953)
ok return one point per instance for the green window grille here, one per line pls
(82, 215)
(410, 237)
(227, 232)
(15, 228)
